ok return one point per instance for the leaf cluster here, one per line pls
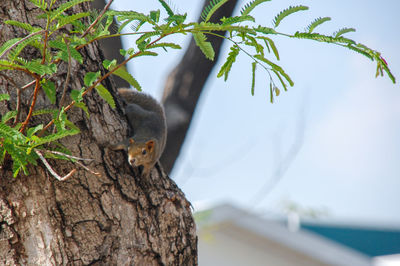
(65, 34)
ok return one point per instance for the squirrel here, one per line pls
(147, 118)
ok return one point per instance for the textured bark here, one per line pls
(116, 218)
(184, 86)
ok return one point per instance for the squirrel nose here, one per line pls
(132, 161)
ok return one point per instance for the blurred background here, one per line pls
(328, 148)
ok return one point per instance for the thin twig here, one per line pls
(59, 178)
(97, 19)
(46, 36)
(87, 169)
(35, 93)
(28, 85)
(66, 155)
(20, 41)
(16, 120)
(74, 158)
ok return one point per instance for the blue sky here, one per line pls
(330, 143)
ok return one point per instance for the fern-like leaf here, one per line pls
(265, 30)
(167, 8)
(204, 46)
(270, 42)
(122, 73)
(5, 47)
(210, 9)
(233, 20)
(11, 133)
(280, 79)
(42, 4)
(64, 20)
(53, 137)
(250, 6)
(165, 45)
(22, 25)
(323, 38)
(275, 67)
(340, 32)
(360, 51)
(316, 23)
(67, 5)
(142, 41)
(226, 67)
(9, 115)
(286, 12)
(18, 49)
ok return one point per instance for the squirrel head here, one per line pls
(141, 153)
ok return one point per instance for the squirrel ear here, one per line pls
(150, 145)
(131, 141)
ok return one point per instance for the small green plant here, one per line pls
(64, 36)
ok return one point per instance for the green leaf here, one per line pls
(22, 25)
(33, 130)
(316, 23)
(210, 9)
(106, 95)
(42, 4)
(37, 67)
(56, 136)
(271, 94)
(238, 19)
(67, 5)
(204, 46)
(166, 7)
(76, 95)
(155, 15)
(11, 133)
(280, 79)
(50, 90)
(265, 30)
(286, 12)
(90, 78)
(9, 115)
(272, 44)
(226, 67)
(7, 45)
(342, 31)
(250, 6)
(65, 20)
(107, 64)
(275, 67)
(253, 77)
(177, 19)
(13, 54)
(83, 106)
(124, 74)
(166, 45)
(4, 96)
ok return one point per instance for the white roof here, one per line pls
(302, 241)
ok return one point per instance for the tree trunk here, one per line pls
(184, 86)
(116, 218)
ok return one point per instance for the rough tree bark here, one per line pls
(115, 218)
(184, 86)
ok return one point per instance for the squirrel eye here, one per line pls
(144, 152)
